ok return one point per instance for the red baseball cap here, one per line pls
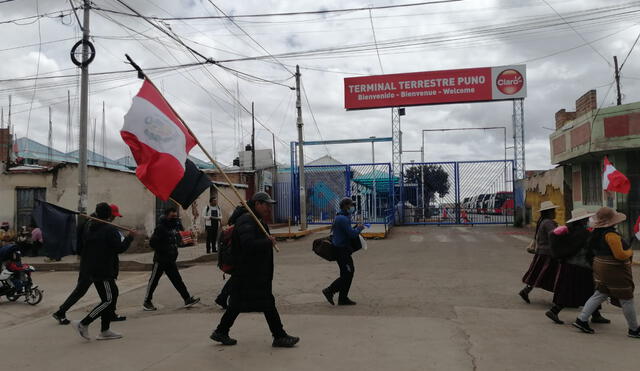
(115, 211)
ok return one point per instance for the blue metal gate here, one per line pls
(371, 186)
(466, 192)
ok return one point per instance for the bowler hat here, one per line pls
(607, 217)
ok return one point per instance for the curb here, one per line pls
(125, 265)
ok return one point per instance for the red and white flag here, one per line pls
(636, 229)
(158, 139)
(613, 180)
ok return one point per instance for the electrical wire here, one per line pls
(578, 33)
(326, 11)
(313, 117)
(35, 81)
(375, 41)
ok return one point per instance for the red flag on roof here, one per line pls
(160, 143)
(613, 180)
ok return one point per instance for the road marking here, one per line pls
(442, 238)
(521, 238)
(468, 238)
(415, 238)
(462, 229)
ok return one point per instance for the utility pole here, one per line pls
(83, 189)
(9, 116)
(303, 193)
(617, 75)
(104, 132)
(50, 139)
(253, 139)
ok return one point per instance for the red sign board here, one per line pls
(435, 87)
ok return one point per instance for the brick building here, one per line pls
(581, 141)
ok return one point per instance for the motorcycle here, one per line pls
(32, 294)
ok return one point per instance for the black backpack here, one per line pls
(225, 256)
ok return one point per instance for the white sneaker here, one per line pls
(82, 329)
(108, 335)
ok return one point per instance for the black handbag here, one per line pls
(323, 247)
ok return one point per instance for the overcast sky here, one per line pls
(560, 68)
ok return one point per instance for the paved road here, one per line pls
(429, 298)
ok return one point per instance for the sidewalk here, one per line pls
(128, 262)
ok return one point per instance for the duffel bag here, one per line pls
(323, 247)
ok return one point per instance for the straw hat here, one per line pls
(547, 205)
(579, 214)
(607, 217)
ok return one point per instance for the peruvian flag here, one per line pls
(613, 180)
(160, 143)
(636, 229)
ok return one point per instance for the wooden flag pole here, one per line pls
(106, 222)
(142, 75)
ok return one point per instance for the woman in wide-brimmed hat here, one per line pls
(543, 268)
(611, 271)
(574, 281)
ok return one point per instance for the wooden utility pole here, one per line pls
(617, 75)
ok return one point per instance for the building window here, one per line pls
(26, 202)
(591, 183)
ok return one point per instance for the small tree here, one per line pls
(434, 178)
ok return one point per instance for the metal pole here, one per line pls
(303, 196)
(422, 148)
(373, 151)
(83, 190)
(253, 139)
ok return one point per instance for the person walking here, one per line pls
(164, 242)
(543, 269)
(251, 286)
(611, 271)
(102, 243)
(343, 235)
(574, 281)
(84, 278)
(212, 219)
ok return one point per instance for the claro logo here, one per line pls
(509, 82)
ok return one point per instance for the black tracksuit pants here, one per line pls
(108, 291)
(271, 315)
(226, 290)
(82, 286)
(212, 235)
(343, 283)
(171, 270)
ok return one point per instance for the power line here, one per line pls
(35, 81)
(629, 53)
(315, 123)
(58, 14)
(326, 11)
(250, 37)
(578, 33)
(375, 41)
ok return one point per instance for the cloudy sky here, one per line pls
(567, 45)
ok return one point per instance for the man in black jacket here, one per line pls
(84, 279)
(251, 285)
(164, 242)
(102, 243)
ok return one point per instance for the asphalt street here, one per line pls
(429, 298)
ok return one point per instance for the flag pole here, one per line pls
(106, 222)
(143, 76)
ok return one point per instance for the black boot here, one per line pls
(346, 301)
(524, 294)
(328, 293)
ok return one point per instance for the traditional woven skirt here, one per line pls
(613, 277)
(542, 272)
(574, 286)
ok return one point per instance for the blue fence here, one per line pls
(467, 192)
(371, 186)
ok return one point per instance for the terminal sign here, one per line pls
(436, 87)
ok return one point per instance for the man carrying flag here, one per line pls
(613, 180)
